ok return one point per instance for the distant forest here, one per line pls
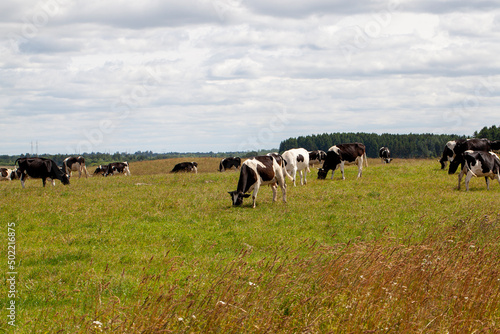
(97, 158)
(401, 146)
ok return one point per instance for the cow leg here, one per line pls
(487, 182)
(462, 173)
(342, 170)
(44, 180)
(274, 187)
(22, 178)
(467, 180)
(254, 194)
(360, 166)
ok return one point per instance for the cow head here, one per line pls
(237, 197)
(65, 179)
(322, 173)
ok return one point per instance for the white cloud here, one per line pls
(215, 75)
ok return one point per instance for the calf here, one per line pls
(185, 167)
(117, 167)
(228, 163)
(341, 154)
(316, 157)
(71, 164)
(258, 171)
(297, 160)
(385, 154)
(40, 168)
(7, 174)
(478, 163)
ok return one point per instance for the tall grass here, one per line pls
(399, 250)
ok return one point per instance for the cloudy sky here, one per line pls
(225, 75)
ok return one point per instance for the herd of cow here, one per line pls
(475, 156)
(47, 169)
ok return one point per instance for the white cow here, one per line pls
(297, 160)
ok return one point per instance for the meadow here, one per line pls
(398, 250)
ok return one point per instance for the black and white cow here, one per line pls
(117, 168)
(185, 167)
(71, 164)
(316, 157)
(258, 171)
(40, 168)
(385, 154)
(101, 169)
(447, 153)
(458, 147)
(341, 154)
(7, 174)
(297, 160)
(479, 163)
(228, 163)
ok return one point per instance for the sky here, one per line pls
(240, 75)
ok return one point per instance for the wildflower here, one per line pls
(221, 302)
(180, 319)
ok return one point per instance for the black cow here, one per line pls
(458, 147)
(316, 157)
(185, 167)
(117, 167)
(228, 163)
(40, 168)
(339, 155)
(258, 171)
(478, 163)
(385, 154)
(75, 164)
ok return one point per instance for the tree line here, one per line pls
(98, 158)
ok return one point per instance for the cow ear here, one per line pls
(246, 195)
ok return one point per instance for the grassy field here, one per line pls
(398, 250)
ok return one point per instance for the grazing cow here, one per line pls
(116, 168)
(258, 171)
(339, 155)
(297, 160)
(447, 153)
(228, 163)
(71, 164)
(385, 154)
(40, 168)
(185, 167)
(101, 170)
(7, 174)
(478, 163)
(316, 157)
(460, 146)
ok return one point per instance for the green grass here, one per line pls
(399, 249)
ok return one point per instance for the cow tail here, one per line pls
(365, 160)
(284, 169)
